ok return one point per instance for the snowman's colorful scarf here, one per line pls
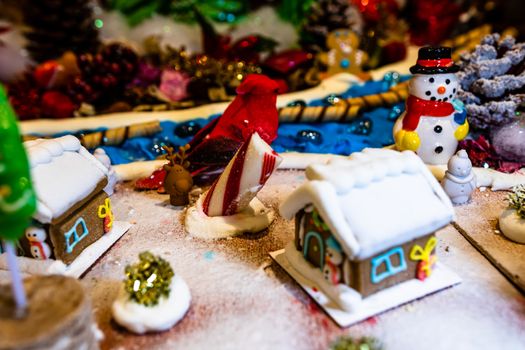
(417, 107)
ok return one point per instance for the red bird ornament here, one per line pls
(253, 110)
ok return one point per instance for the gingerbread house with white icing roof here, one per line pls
(367, 222)
(73, 211)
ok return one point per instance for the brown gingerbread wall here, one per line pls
(95, 226)
(362, 270)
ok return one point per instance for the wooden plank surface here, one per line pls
(478, 222)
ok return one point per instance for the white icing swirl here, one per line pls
(140, 319)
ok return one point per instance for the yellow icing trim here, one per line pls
(104, 211)
(462, 131)
(407, 140)
(424, 255)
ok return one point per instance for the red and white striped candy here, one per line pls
(242, 179)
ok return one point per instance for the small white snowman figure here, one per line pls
(459, 180)
(433, 121)
(37, 243)
(333, 260)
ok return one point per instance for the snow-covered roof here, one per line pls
(373, 200)
(63, 173)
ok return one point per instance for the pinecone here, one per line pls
(325, 17)
(492, 81)
(56, 26)
(105, 75)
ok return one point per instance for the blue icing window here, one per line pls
(314, 235)
(73, 236)
(386, 258)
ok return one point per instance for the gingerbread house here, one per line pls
(73, 211)
(367, 222)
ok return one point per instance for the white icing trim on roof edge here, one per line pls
(362, 168)
(42, 151)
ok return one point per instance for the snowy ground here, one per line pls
(242, 300)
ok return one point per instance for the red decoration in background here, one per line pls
(482, 154)
(40, 92)
(248, 48)
(220, 46)
(432, 21)
(57, 105)
(253, 110)
(152, 182)
(394, 51)
(287, 61)
(25, 99)
(374, 10)
(45, 74)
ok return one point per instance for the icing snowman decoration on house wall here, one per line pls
(434, 122)
(37, 243)
(333, 261)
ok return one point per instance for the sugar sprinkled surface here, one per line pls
(241, 299)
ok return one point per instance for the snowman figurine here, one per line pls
(459, 180)
(434, 122)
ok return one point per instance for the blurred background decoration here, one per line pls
(75, 58)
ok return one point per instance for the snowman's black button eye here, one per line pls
(428, 93)
(431, 80)
(433, 98)
(438, 129)
(447, 81)
(438, 149)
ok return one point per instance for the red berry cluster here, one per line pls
(104, 75)
(24, 96)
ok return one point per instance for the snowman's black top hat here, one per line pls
(434, 60)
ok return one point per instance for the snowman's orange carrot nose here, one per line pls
(441, 90)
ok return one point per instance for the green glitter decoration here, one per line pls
(17, 197)
(295, 11)
(517, 200)
(318, 221)
(223, 11)
(350, 343)
(149, 279)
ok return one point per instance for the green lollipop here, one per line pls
(17, 198)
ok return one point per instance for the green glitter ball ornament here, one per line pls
(516, 200)
(350, 343)
(148, 280)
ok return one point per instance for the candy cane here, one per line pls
(242, 179)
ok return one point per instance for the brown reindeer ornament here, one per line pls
(178, 181)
